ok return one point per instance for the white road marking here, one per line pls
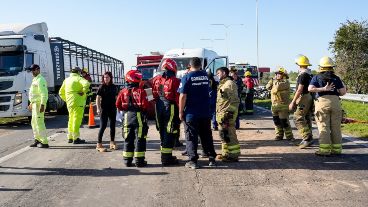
(20, 151)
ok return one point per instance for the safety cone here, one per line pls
(91, 117)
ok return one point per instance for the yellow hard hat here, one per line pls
(281, 70)
(326, 62)
(248, 73)
(302, 60)
(85, 70)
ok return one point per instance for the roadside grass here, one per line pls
(358, 111)
(354, 110)
(10, 120)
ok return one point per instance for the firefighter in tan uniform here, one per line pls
(328, 87)
(227, 104)
(303, 102)
(280, 91)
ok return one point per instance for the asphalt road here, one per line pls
(269, 173)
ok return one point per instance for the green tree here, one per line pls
(350, 47)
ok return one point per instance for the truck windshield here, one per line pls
(147, 71)
(182, 63)
(11, 63)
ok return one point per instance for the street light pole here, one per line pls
(257, 34)
(226, 33)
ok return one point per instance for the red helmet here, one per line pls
(133, 76)
(169, 64)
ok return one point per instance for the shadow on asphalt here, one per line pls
(105, 172)
(14, 189)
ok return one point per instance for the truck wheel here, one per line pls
(63, 110)
(29, 119)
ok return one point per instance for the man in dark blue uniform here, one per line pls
(194, 111)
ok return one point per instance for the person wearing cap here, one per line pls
(38, 95)
(73, 91)
(280, 92)
(303, 102)
(328, 87)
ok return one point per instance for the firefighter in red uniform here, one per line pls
(132, 100)
(249, 83)
(164, 89)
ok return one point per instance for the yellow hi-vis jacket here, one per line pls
(38, 92)
(71, 88)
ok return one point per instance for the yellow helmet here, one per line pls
(281, 70)
(85, 70)
(326, 62)
(302, 60)
(248, 73)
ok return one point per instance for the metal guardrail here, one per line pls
(355, 97)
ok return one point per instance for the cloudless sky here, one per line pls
(124, 28)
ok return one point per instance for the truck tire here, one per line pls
(63, 110)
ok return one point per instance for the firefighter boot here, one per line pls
(167, 159)
(128, 161)
(140, 162)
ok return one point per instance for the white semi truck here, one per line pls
(24, 45)
(210, 59)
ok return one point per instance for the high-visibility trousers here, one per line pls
(230, 144)
(75, 120)
(38, 124)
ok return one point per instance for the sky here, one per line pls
(122, 28)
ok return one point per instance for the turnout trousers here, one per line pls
(167, 123)
(328, 117)
(302, 116)
(135, 131)
(280, 116)
(230, 144)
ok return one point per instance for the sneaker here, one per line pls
(79, 141)
(113, 146)
(278, 138)
(304, 144)
(70, 140)
(212, 162)
(192, 164)
(35, 143)
(43, 145)
(322, 154)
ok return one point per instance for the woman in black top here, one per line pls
(106, 98)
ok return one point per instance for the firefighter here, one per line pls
(165, 92)
(303, 102)
(328, 87)
(38, 95)
(239, 83)
(132, 100)
(249, 83)
(280, 92)
(226, 112)
(74, 92)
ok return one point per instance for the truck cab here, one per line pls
(20, 47)
(210, 59)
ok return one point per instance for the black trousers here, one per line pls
(202, 128)
(107, 114)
